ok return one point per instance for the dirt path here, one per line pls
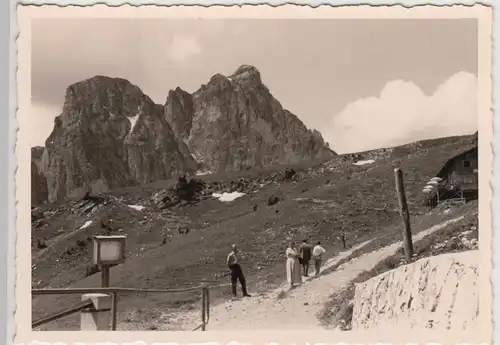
(295, 309)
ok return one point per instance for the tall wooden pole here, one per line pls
(207, 296)
(203, 308)
(405, 214)
(114, 310)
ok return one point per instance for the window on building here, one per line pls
(466, 164)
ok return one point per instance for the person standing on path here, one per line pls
(293, 275)
(236, 272)
(305, 250)
(317, 254)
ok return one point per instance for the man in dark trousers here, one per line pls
(305, 255)
(236, 272)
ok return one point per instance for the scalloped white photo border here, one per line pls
(14, 194)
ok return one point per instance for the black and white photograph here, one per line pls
(212, 173)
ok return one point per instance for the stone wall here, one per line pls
(439, 292)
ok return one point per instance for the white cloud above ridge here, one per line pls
(402, 113)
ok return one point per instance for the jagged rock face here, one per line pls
(235, 123)
(179, 112)
(39, 193)
(110, 135)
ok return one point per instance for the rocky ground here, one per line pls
(438, 293)
(179, 232)
(458, 236)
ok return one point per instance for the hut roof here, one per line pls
(444, 170)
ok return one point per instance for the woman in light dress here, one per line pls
(293, 273)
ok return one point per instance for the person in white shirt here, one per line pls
(236, 272)
(317, 255)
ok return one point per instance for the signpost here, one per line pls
(108, 250)
(405, 214)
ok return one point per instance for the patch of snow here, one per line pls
(203, 172)
(229, 79)
(227, 197)
(133, 121)
(86, 224)
(369, 161)
(137, 207)
(196, 157)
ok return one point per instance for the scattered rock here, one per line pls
(182, 230)
(273, 200)
(289, 174)
(41, 243)
(81, 243)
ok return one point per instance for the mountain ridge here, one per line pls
(111, 135)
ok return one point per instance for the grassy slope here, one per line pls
(359, 199)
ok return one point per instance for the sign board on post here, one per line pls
(108, 250)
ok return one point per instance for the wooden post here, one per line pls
(405, 214)
(203, 306)
(207, 291)
(104, 276)
(114, 310)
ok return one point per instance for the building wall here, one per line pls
(463, 172)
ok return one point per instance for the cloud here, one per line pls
(183, 48)
(402, 113)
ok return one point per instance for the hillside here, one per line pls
(111, 135)
(173, 242)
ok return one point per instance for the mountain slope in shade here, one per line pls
(110, 135)
(39, 192)
(234, 123)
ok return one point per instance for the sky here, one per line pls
(412, 79)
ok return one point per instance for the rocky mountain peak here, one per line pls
(178, 92)
(179, 112)
(219, 79)
(37, 152)
(110, 135)
(246, 75)
(235, 123)
(105, 94)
